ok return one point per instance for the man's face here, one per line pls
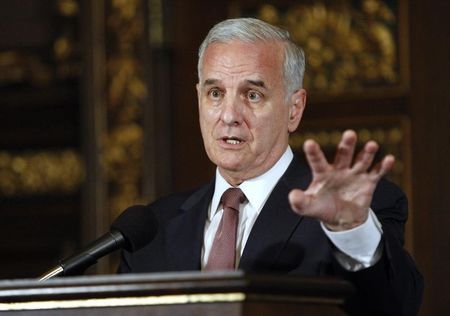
(245, 117)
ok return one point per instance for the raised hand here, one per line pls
(340, 193)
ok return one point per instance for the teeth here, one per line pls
(233, 141)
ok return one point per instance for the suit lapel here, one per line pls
(184, 236)
(271, 231)
(276, 222)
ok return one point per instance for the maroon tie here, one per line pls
(223, 250)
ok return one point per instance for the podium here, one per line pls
(188, 293)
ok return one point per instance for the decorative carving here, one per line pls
(155, 20)
(19, 67)
(44, 172)
(349, 46)
(65, 47)
(126, 94)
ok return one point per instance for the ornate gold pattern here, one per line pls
(348, 46)
(126, 93)
(24, 67)
(65, 47)
(33, 173)
(43, 172)
(68, 8)
(155, 20)
(18, 67)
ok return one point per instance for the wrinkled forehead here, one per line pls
(259, 59)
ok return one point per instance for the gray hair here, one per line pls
(253, 30)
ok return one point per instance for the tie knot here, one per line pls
(232, 198)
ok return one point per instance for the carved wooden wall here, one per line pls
(126, 164)
(41, 168)
(74, 91)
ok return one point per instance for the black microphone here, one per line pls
(132, 230)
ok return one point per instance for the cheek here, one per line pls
(271, 129)
(208, 113)
(207, 118)
(271, 122)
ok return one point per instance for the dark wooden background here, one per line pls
(56, 99)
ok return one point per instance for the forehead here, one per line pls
(237, 59)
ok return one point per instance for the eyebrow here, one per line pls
(210, 82)
(258, 83)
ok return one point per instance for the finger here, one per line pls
(299, 201)
(316, 158)
(365, 158)
(345, 150)
(383, 167)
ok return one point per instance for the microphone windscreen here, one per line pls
(138, 226)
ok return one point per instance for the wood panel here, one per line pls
(430, 116)
(39, 135)
(36, 232)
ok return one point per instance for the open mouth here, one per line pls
(232, 140)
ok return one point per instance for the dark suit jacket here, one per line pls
(285, 243)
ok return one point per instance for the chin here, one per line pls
(230, 166)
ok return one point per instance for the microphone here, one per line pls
(132, 230)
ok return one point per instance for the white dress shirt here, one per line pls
(356, 248)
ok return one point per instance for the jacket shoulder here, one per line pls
(388, 195)
(169, 206)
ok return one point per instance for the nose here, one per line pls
(232, 111)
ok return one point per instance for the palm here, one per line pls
(340, 193)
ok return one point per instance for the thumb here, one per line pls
(299, 201)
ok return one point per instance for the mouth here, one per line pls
(232, 140)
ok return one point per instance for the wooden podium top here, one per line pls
(116, 292)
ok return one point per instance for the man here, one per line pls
(339, 219)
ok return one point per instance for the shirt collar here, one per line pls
(258, 189)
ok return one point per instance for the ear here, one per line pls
(296, 107)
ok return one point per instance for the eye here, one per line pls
(215, 94)
(254, 96)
